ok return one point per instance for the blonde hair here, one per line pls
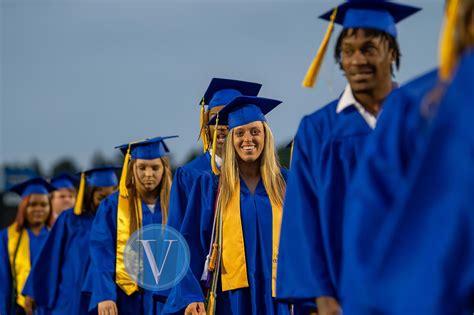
(269, 170)
(164, 190)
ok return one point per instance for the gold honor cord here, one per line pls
(80, 195)
(313, 70)
(215, 263)
(19, 254)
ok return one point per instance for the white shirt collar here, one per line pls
(347, 99)
(217, 158)
(151, 208)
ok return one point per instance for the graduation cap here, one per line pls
(244, 110)
(241, 111)
(97, 177)
(64, 181)
(32, 186)
(220, 92)
(380, 15)
(148, 149)
(102, 176)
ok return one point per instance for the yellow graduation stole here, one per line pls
(19, 246)
(122, 279)
(234, 266)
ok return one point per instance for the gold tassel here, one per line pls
(215, 169)
(447, 50)
(313, 70)
(123, 178)
(203, 134)
(211, 304)
(213, 260)
(80, 195)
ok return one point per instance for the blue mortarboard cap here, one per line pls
(102, 176)
(64, 181)
(148, 149)
(244, 110)
(373, 14)
(35, 185)
(222, 91)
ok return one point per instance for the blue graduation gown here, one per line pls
(56, 278)
(184, 178)
(424, 257)
(36, 243)
(380, 178)
(326, 150)
(256, 214)
(103, 241)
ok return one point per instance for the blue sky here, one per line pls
(83, 76)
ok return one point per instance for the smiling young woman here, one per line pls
(232, 223)
(21, 243)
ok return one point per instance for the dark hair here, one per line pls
(392, 43)
(88, 206)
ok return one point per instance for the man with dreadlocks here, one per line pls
(327, 147)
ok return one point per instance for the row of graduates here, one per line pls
(373, 217)
(77, 266)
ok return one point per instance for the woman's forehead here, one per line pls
(254, 124)
(38, 197)
(152, 162)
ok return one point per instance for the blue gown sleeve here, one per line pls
(5, 274)
(43, 280)
(102, 251)
(195, 229)
(303, 272)
(178, 198)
